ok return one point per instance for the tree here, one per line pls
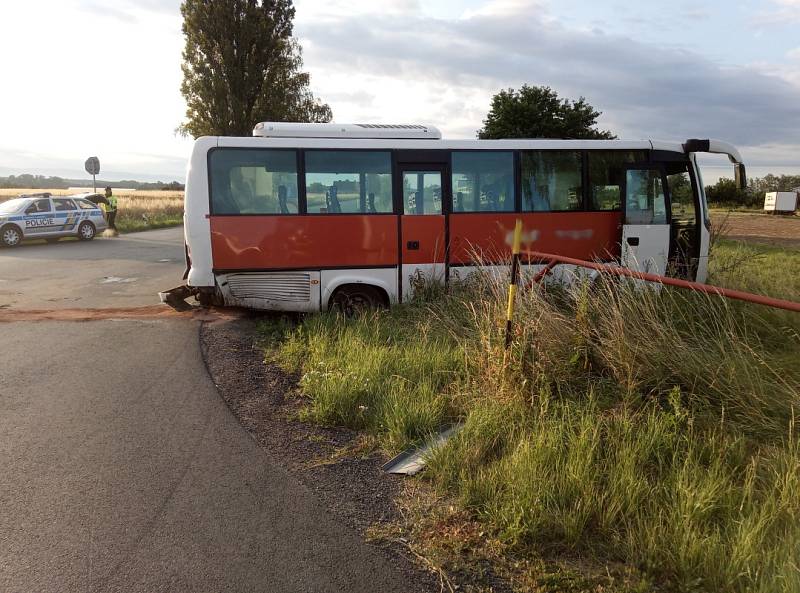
(241, 66)
(725, 191)
(537, 112)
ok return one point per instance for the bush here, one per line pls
(726, 192)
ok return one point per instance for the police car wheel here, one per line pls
(10, 236)
(86, 231)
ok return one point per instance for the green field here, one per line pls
(630, 440)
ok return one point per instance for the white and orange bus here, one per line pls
(304, 217)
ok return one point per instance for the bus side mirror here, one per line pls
(740, 176)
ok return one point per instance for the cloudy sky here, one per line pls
(86, 77)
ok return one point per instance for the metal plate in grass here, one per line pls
(413, 460)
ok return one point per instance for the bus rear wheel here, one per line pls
(354, 299)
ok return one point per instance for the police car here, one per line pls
(42, 216)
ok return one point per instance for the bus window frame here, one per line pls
(424, 168)
(664, 156)
(648, 166)
(516, 179)
(583, 205)
(392, 173)
(698, 208)
(400, 157)
(588, 202)
(300, 190)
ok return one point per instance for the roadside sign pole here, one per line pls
(92, 166)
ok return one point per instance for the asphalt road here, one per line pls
(125, 271)
(121, 469)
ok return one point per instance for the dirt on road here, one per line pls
(781, 231)
(148, 312)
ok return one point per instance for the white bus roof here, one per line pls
(418, 144)
(420, 137)
(269, 129)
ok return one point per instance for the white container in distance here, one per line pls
(783, 202)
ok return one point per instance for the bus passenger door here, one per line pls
(423, 238)
(684, 209)
(646, 229)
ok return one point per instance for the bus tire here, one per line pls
(86, 231)
(353, 299)
(10, 235)
(209, 298)
(205, 299)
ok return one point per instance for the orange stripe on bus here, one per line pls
(585, 235)
(309, 241)
(312, 241)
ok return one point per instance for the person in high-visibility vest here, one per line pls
(111, 208)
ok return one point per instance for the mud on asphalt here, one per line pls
(263, 397)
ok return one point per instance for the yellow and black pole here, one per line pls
(512, 286)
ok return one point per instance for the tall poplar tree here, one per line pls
(241, 65)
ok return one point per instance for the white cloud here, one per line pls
(415, 64)
(88, 81)
(780, 12)
(103, 78)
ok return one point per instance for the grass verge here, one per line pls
(647, 434)
(130, 224)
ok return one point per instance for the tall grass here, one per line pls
(656, 429)
(370, 372)
(148, 210)
(641, 427)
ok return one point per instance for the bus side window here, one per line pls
(606, 172)
(484, 180)
(551, 180)
(685, 246)
(681, 196)
(348, 181)
(644, 200)
(422, 192)
(253, 181)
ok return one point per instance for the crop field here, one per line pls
(137, 210)
(629, 441)
(770, 229)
